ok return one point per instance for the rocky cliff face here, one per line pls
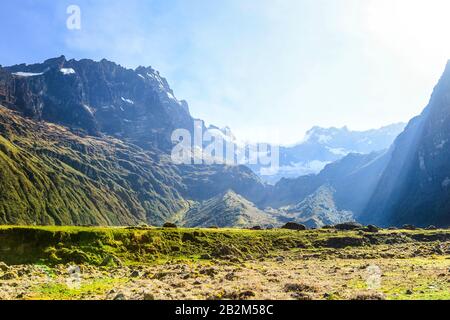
(7, 97)
(136, 106)
(415, 186)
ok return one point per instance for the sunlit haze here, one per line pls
(269, 70)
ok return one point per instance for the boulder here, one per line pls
(170, 225)
(346, 226)
(409, 227)
(294, 226)
(135, 274)
(372, 228)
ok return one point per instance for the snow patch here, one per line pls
(338, 151)
(171, 96)
(67, 71)
(88, 109)
(297, 169)
(158, 79)
(27, 74)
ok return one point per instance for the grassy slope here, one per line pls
(53, 245)
(52, 176)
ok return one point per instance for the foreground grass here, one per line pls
(224, 263)
(100, 246)
(55, 245)
(63, 291)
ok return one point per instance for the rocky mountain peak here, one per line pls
(101, 97)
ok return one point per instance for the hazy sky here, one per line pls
(269, 69)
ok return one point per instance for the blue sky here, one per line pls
(269, 69)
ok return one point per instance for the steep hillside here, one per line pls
(415, 187)
(228, 209)
(318, 209)
(49, 175)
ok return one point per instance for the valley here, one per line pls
(224, 150)
(93, 147)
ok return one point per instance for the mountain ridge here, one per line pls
(137, 106)
(322, 146)
(84, 142)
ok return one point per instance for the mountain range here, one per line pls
(322, 146)
(88, 143)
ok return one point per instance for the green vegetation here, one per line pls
(60, 291)
(54, 245)
(51, 176)
(176, 263)
(105, 246)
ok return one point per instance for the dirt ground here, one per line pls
(337, 274)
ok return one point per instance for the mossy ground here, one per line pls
(223, 263)
(56, 245)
